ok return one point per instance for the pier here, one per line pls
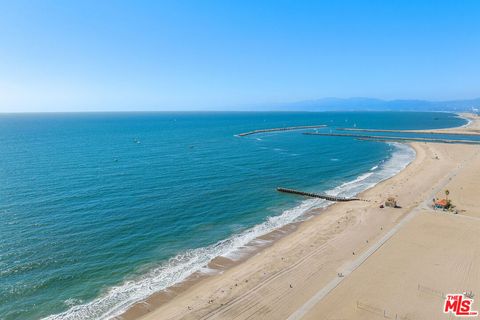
(391, 138)
(280, 129)
(316, 195)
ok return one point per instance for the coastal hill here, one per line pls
(371, 104)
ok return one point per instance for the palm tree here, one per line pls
(446, 194)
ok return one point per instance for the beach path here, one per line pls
(394, 262)
(279, 280)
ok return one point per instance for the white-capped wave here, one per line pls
(400, 158)
(119, 298)
(116, 300)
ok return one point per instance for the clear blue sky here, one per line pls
(177, 55)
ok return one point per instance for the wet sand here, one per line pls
(385, 262)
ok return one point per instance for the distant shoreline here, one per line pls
(95, 112)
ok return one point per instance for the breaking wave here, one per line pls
(119, 298)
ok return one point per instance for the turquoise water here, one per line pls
(98, 211)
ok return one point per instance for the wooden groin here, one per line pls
(279, 129)
(391, 138)
(316, 195)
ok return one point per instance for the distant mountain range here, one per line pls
(370, 104)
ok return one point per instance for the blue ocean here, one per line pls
(100, 210)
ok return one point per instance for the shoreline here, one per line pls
(173, 297)
(148, 309)
(221, 264)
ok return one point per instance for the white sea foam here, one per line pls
(401, 157)
(469, 121)
(117, 299)
(72, 302)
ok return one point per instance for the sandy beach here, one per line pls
(356, 260)
(218, 160)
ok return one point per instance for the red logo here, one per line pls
(460, 305)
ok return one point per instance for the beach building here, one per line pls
(441, 204)
(391, 202)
